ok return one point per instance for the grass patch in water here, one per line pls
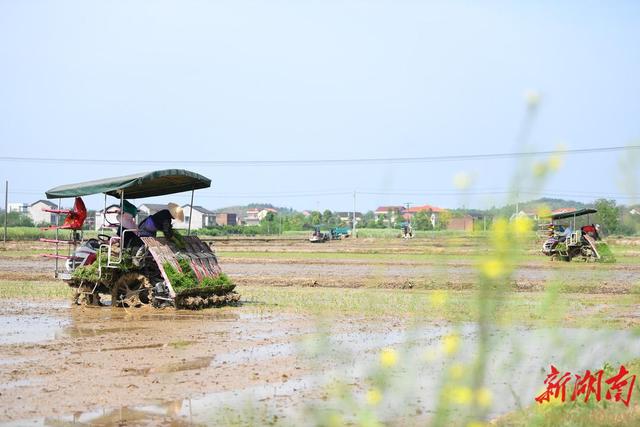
(458, 306)
(34, 290)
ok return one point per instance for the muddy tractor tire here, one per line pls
(131, 290)
(85, 296)
(200, 298)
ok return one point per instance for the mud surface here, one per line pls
(62, 365)
(110, 366)
(458, 273)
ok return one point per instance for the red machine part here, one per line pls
(74, 218)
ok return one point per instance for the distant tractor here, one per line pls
(567, 241)
(340, 232)
(319, 236)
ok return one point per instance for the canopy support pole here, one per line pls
(6, 211)
(57, 235)
(190, 213)
(104, 214)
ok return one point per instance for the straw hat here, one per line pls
(176, 211)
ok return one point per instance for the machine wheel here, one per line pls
(131, 290)
(83, 295)
(140, 256)
(587, 254)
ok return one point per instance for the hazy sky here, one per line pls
(265, 80)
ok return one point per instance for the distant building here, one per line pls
(39, 216)
(201, 218)
(532, 215)
(389, 214)
(306, 213)
(251, 217)
(226, 219)
(464, 223)
(255, 215)
(433, 212)
(19, 207)
(263, 213)
(347, 217)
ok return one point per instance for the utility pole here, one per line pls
(6, 211)
(353, 225)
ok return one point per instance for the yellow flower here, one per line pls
(462, 180)
(522, 225)
(476, 424)
(539, 169)
(553, 401)
(460, 395)
(456, 371)
(500, 226)
(450, 343)
(388, 357)
(532, 98)
(500, 229)
(484, 397)
(555, 162)
(438, 298)
(335, 420)
(374, 396)
(493, 268)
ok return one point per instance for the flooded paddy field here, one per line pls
(312, 317)
(449, 263)
(104, 366)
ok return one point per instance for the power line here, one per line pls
(327, 162)
(424, 193)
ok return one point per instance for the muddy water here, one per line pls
(23, 322)
(111, 366)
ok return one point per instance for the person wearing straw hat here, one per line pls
(161, 221)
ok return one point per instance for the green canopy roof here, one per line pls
(147, 184)
(571, 214)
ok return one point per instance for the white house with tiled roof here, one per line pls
(39, 216)
(201, 218)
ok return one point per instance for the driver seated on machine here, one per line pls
(565, 232)
(127, 222)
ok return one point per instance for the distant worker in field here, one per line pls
(407, 231)
(161, 221)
